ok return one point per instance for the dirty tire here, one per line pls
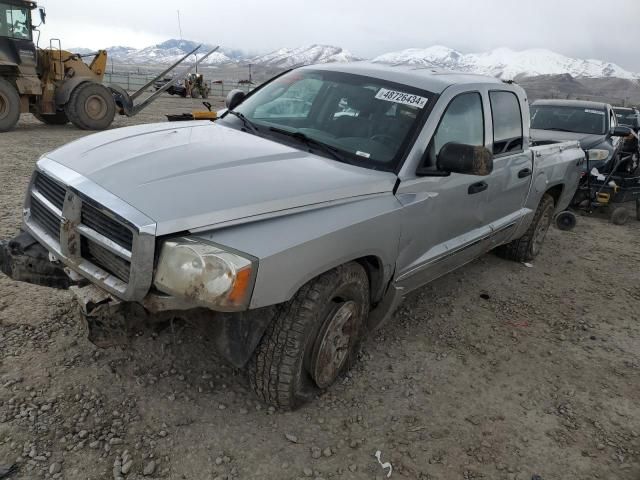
(619, 216)
(194, 94)
(58, 118)
(527, 247)
(9, 106)
(91, 106)
(284, 369)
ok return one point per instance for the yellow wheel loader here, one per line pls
(55, 85)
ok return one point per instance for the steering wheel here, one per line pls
(383, 138)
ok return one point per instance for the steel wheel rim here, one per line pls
(541, 232)
(95, 106)
(333, 344)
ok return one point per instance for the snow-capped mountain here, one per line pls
(506, 63)
(166, 53)
(502, 62)
(172, 50)
(290, 57)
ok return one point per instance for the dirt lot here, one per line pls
(498, 371)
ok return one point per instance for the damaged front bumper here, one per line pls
(25, 260)
(111, 321)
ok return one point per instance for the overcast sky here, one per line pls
(603, 29)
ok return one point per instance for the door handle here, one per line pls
(525, 172)
(478, 187)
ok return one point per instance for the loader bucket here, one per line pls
(125, 102)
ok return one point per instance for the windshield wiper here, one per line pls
(248, 124)
(555, 129)
(311, 142)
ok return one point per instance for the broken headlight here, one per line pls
(205, 273)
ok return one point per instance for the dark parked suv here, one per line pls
(591, 123)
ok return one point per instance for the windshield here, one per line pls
(629, 118)
(14, 21)
(353, 118)
(568, 119)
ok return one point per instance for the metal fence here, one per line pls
(134, 81)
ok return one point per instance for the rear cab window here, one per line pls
(507, 122)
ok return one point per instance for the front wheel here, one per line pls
(566, 221)
(528, 246)
(312, 338)
(91, 106)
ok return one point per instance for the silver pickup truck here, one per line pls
(299, 219)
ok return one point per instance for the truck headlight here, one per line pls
(205, 274)
(598, 154)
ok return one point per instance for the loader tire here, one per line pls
(58, 118)
(194, 94)
(527, 247)
(311, 339)
(91, 106)
(9, 106)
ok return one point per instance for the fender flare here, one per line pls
(63, 93)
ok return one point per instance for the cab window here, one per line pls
(14, 22)
(462, 122)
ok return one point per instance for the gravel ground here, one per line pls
(497, 371)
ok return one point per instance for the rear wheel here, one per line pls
(527, 247)
(312, 338)
(194, 93)
(58, 118)
(9, 106)
(619, 216)
(91, 106)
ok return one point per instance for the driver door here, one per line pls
(443, 221)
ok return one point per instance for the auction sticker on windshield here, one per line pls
(597, 112)
(401, 97)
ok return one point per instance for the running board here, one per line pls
(124, 101)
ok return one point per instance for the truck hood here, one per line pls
(551, 136)
(194, 174)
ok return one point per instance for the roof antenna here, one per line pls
(179, 25)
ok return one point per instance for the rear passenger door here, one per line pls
(512, 165)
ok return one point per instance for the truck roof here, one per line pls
(572, 103)
(432, 79)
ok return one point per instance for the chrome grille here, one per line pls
(45, 218)
(106, 260)
(91, 230)
(50, 190)
(106, 226)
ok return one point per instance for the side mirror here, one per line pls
(465, 159)
(234, 98)
(43, 15)
(620, 131)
